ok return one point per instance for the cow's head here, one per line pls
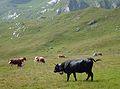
(58, 68)
(10, 61)
(24, 58)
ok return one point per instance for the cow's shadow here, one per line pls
(84, 81)
(91, 81)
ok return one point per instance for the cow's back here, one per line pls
(79, 66)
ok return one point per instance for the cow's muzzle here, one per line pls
(61, 72)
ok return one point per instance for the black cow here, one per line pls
(76, 66)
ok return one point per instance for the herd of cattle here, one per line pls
(19, 61)
(69, 66)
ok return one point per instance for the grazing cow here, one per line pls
(39, 59)
(61, 56)
(17, 61)
(97, 54)
(76, 66)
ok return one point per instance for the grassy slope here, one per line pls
(58, 36)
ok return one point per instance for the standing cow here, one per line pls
(17, 61)
(39, 59)
(76, 66)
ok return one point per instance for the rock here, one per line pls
(77, 29)
(92, 22)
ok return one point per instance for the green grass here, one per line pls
(58, 35)
(41, 76)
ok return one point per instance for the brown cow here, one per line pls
(61, 56)
(17, 61)
(39, 59)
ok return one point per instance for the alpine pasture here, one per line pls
(69, 34)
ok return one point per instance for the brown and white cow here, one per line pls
(97, 54)
(17, 61)
(39, 59)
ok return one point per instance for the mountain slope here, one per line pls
(80, 32)
(39, 9)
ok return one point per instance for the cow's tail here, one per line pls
(98, 60)
(94, 59)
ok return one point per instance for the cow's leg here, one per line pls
(88, 76)
(75, 76)
(68, 76)
(19, 65)
(11, 65)
(91, 74)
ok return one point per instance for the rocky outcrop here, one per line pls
(52, 7)
(105, 4)
(83, 5)
(116, 4)
(73, 5)
(109, 4)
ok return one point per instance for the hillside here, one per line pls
(10, 10)
(75, 33)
